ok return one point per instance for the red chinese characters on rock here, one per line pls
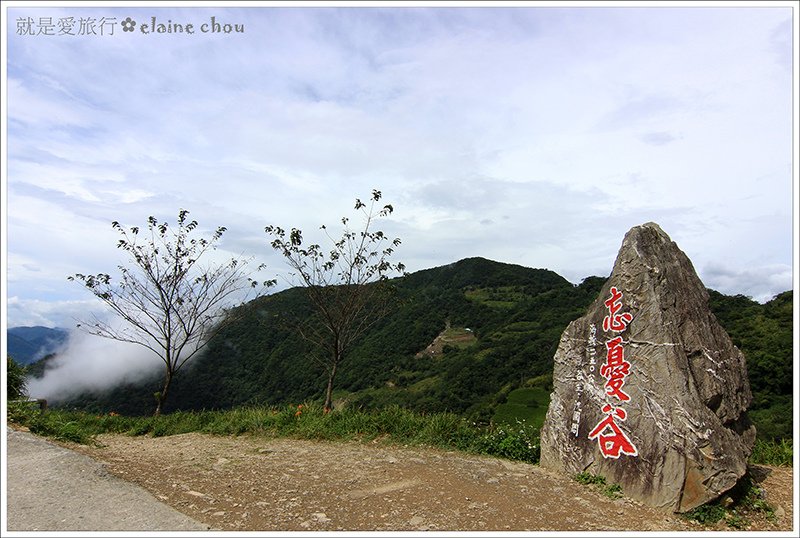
(614, 440)
(615, 369)
(613, 321)
(610, 437)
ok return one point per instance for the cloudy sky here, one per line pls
(528, 135)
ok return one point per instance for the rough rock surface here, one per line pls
(674, 386)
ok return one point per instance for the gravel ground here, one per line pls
(259, 484)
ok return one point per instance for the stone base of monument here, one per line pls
(649, 390)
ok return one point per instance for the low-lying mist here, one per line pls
(89, 363)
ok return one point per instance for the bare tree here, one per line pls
(169, 302)
(346, 285)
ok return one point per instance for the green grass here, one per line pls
(527, 405)
(612, 491)
(778, 453)
(457, 332)
(424, 384)
(458, 337)
(744, 499)
(496, 297)
(391, 424)
(706, 514)
(513, 435)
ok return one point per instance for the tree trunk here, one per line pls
(161, 397)
(329, 391)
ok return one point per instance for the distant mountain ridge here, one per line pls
(515, 316)
(27, 345)
(515, 313)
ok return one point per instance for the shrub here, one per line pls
(307, 421)
(772, 452)
(20, 412)
(612, 491)
(744, 498)
(15, 380)
(706, 514)
(589, 478)
(61, 428)
(519, 443)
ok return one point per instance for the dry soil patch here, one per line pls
(256, 483)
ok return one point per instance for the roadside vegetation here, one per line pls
(736, 508)
(518, 441)
(771, 452)
(305, 421)
(390, 425)
(15, 380)
(612, 491)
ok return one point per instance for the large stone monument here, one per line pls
(648, 389)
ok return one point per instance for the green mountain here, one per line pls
(29, 344)
(476, 337)
(764, 333)
(516, 315)
(20, 349)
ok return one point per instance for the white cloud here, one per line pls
(44, 109)
(659, 138)
(759, 283)
(534, 136)
(38, 312)
(92, 363)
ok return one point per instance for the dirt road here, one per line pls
(51, 488)
(252, 483)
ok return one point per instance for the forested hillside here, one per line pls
(499, 327)
(764, 334)
(29, 344)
